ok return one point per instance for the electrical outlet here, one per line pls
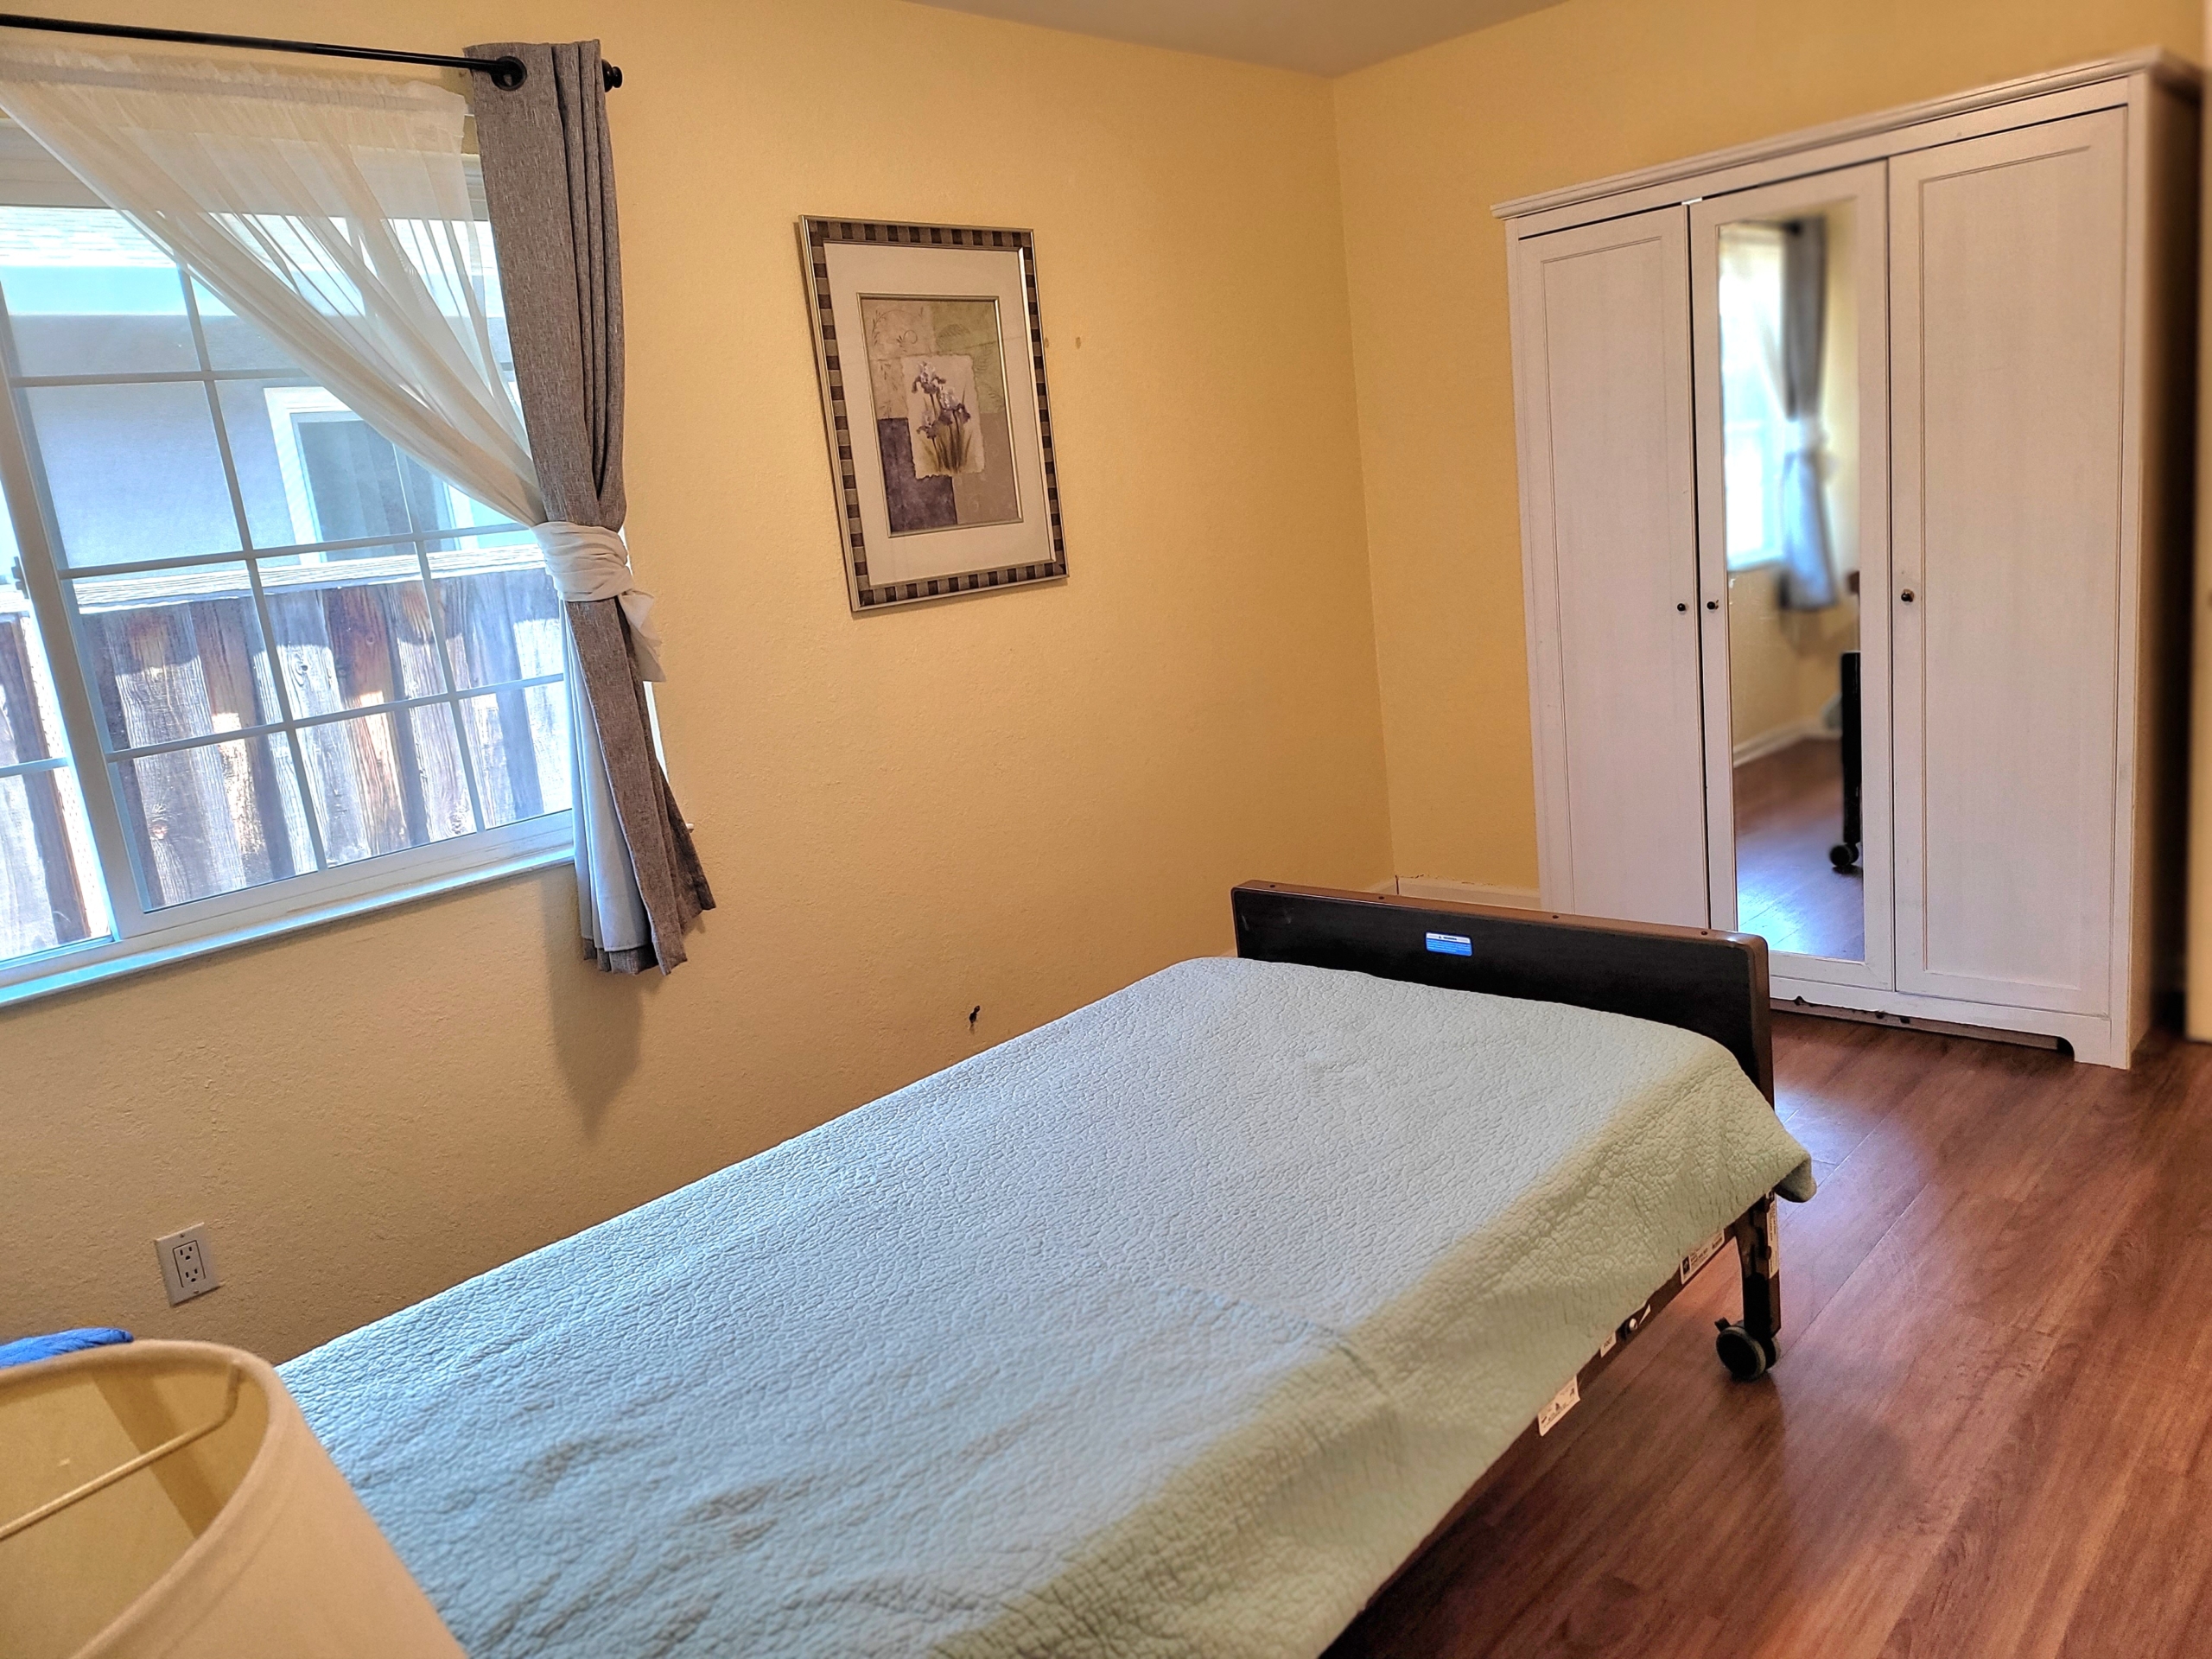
(187, 1268)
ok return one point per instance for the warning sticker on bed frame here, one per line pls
(1704, 1253)
(1562, 1402)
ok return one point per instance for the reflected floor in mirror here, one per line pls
(1789, 813)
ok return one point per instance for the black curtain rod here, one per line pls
(506, 73)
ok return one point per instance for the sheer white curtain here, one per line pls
(331, 210)
(334, 210)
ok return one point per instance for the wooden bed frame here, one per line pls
(1713, 983)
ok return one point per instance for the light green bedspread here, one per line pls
(1170, 1328)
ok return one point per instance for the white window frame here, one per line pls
(145, 937)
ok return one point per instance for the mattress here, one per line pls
(1170, 1328)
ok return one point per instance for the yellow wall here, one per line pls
(1783, 665)
(1021, 800)
(1428, 142)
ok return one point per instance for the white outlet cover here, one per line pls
(188, 1265)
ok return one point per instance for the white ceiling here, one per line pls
(1323, 37)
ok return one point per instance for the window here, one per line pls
(256, 665)
(1754, 430)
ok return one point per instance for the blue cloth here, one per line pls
(24, 1350)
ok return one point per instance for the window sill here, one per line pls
(1745, 563)
(431, 871)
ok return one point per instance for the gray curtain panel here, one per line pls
(1808, 571)
(548, 183)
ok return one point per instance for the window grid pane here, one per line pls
(175, 655)
(105, 495)
(525, 775)
(308, 722)
(50, 893)
(387, 781)
(214, 818)
(401, 639)
(292, 752)
(440, 658)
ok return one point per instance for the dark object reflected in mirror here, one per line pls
(1845, 853)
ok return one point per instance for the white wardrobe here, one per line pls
(1855, 480)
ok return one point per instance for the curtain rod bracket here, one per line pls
(507, 73)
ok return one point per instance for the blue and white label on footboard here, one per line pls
(1451, 944)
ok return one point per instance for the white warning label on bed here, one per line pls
(1704, 1253)
(1562, 1402)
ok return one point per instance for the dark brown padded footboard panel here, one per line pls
(1712, 983)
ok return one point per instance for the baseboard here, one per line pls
(2091, 1036)
(1915, 1022)
(1780, 738)
(1460, 893)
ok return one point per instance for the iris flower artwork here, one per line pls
(937, 373)
(940, 418)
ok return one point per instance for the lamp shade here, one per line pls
(167, 1500)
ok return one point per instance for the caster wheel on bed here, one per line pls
(1745, 1356)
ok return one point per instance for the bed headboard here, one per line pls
(1713, 983)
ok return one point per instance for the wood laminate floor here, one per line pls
(1789, 813)
(1991, 1431)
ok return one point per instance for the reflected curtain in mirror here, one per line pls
(1808, 572)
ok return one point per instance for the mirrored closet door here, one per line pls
(1790, 340)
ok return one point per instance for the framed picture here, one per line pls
(932, 363)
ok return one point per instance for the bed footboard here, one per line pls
(1692, 978)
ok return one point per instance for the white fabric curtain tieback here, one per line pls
(589, 562)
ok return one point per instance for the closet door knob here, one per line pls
(1906, 595)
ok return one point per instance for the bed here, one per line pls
(1174, 1327)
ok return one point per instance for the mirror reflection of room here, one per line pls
(1789, 396)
